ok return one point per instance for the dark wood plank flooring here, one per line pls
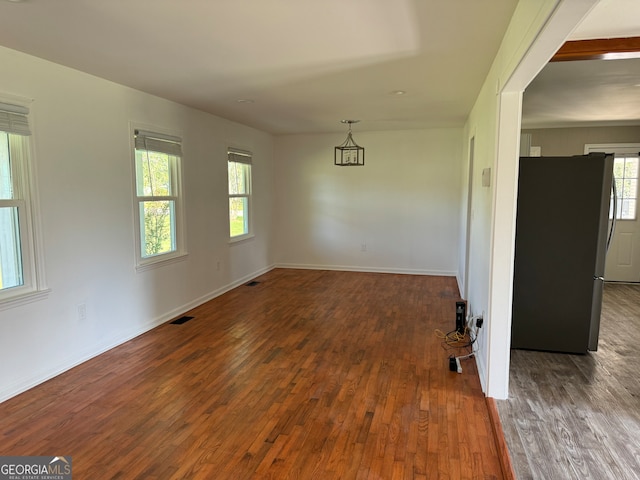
(578, 416)
(307, 374)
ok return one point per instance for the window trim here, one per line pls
(34, 287)
(238, 155)
(180, 253)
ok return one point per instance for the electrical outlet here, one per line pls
(82, 312)
(363, 247)
(479, 321)
(218, 265)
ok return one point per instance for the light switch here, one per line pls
(486, 177)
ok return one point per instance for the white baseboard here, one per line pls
(351, 268)
(19, 387)
(22, 386)
(482, 371)
(216, 293)
(460, 289)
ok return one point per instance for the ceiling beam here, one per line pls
(599, 49)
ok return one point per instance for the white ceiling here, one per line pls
(288, 66)
(590, 92)
(610, 19)
(300, 65)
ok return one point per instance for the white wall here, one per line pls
(571, 141)
(405, 205)
(83, 158)
(537, 29)
(402, 206)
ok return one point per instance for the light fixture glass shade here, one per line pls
(349, 153)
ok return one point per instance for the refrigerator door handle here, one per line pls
(615, 212)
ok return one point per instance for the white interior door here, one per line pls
(623, 256)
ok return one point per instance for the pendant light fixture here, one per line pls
(349, 153)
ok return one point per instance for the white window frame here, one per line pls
(179, 253)
(16, 122)
(622, 149)
(236, 155)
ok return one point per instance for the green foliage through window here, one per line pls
(625, 172)
(239, 178)
(158, 233)
(11, 268)
(157, 194)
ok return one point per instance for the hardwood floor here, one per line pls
(308, 374)
(578, 416)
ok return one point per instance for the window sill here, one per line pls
(241, 238)
(161, 262)
(24, 299)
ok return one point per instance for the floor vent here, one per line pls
(181, 320)
(252, 283)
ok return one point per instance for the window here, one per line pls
(20, 273)
(625, 174)
(158, 196)
(239, 193)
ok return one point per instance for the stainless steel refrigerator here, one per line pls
(562, 228)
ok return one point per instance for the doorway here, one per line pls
(472, 147)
